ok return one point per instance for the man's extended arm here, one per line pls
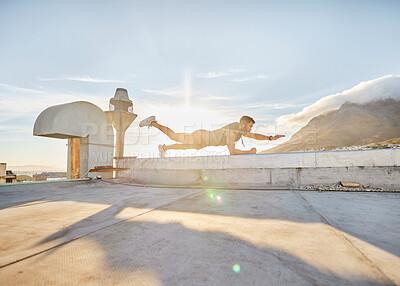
(262, 137)
(231, 146)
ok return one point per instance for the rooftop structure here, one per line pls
(6, 176)
(89, 133)
(121, 117)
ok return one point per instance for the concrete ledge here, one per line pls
(377, 168)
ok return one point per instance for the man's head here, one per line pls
(246, 123)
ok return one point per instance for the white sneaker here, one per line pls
(162, 151)
(147, 121)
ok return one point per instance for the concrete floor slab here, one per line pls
(103, 233)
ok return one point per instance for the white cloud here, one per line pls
(172, 92)
(244, 79)
(273, 105)
(25, 102)
(90, 79)
(263, 105)
(15, 128)
(11, 139)
(231, 72)
(83, 79)
(177, 92)
(214, 74)
(19, 89)
(212, 97)
(384, 87)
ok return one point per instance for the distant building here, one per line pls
(6, 176)
(45, 176)
(23, 178)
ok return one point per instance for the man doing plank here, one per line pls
(224, 136)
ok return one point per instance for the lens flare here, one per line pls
(210, 193)
(213, 197)
(205, 178)
(236, 268)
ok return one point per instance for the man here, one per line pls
(225, 136)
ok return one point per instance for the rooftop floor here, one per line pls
(100, 232)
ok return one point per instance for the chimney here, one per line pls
(121, 116)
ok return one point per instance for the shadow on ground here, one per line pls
(178, 241)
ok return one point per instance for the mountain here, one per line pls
(352, 124)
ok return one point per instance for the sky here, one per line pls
(192, 64)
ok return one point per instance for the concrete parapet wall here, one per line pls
(377, 168)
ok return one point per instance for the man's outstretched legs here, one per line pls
(184, 138)
(188, 140)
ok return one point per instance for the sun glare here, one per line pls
(183, 117)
